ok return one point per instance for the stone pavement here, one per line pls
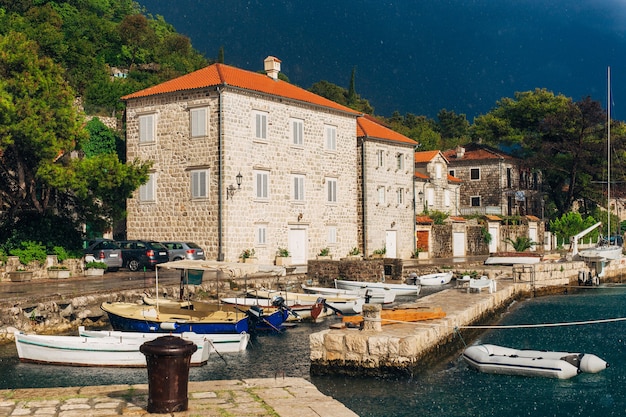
(280, 397)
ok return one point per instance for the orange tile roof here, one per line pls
(368, 126)
(422, 176)
(476, 152)
(533, 218)
(493, 218)
(453, 179)
(423, 220)
(225, 75)
(457, 219)
(425, 156)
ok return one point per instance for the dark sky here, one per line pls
(420, 56)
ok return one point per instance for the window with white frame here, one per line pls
(297, 132)
(261, 234)
(198, 122)
(298, 187)
(331, 190)
(438, 171)
(199, 183)
(381, 195)
(331, 235)
(400, 196)
(260, 125)
(430, 196)
(475, 174)
(400, 161)
(331, 137)
(446, 197)
(261, 184)
(147, 128)
(147, 191)
(380, 158)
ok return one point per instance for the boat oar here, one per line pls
(216, 351)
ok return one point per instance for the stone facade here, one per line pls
(227, 226)
(435, 191)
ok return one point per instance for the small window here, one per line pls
(298, 188)
(381, 195)
(147, 128)
(199, 184)
(400, 161)
(260, 125)
(331, 235)
(198, 122)
(297, 132)
(261, 234)
(451, 172)
(262, 184)
(331, 190)
(475, 201)
(147, 190)
(331, 138)
(400, 195)
(475, 174)
(446, 198)
(430, 196)
(380, 158)
(438, 171)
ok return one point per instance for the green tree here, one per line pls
(102, 140)
(570, 224)
(453, 128)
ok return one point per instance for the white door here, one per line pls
(297, 245)
(458, 244)
(532, 234)
(390, 243)
(493, 245)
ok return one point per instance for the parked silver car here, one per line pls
(184, 250)
(104, 250)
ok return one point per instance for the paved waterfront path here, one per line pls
(280, 397)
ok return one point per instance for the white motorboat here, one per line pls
(399, 289)
(371, 295)
(219, 342)
(302, 310)
(503, 360)
(90, 351)
(347, 304)
(437, 278)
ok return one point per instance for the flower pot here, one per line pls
(94, 272)
(20, 276)
(250, 260)
(283, 260)
(324, 257)
(58, 273)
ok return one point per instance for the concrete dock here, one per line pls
(280, 397)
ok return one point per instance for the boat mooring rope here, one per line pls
(512, 326)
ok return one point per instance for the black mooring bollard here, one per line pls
(168, 359)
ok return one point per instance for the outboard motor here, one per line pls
(412, 278)
(279, 302)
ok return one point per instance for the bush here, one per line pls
(95, 264)
(30, 251)
(282, 253)
(61, 253)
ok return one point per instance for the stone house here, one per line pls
(435, 188)
(493, 182)
(245, 161)
(386, 199)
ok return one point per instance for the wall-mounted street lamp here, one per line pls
(230, 190)
(421, 196)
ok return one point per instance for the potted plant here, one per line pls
(354, 253)
(247, 256)
(58, 272)
(20, 275)
(324, 254)
(95, 268)
(379, 253)
(283, 257)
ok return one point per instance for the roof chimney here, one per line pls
(460, 151)
(272, 67)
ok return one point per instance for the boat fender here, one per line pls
(591, 363)
(168, 326)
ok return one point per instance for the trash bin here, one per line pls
(168, 359)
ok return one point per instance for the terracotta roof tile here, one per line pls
(493, 218)
(425, 156)
(225, 75)
(423, 220)
(533, 218)
(457, 219)
(422, 176)
(453, 179)
(367, 126)
(476, 152)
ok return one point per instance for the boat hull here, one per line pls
(221, 343)
(400, 289)
(86, 351)
(439, 278)
(502, 360)
(343, 304)
(375, 296)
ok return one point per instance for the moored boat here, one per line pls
(88, 351)
(346, 304)
(399, 289)
(301, 310)
(374, 296)
(220, 343)
(437, 278)
(503, 360)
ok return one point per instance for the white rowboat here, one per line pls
(399, 289)
(375, 296)
(344, 304)
(438, 278)
(89, 351)
(219, 342)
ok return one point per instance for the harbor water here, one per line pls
(449, 388)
